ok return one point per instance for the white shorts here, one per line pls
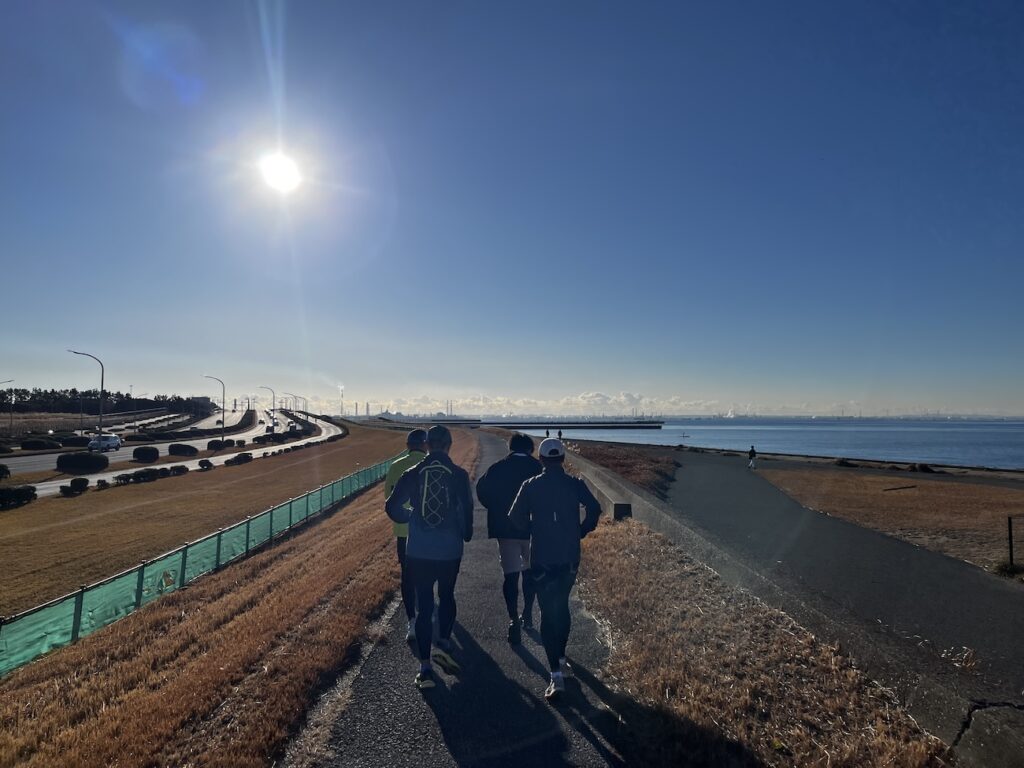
(514, 555)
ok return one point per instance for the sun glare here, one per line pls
(280, 173)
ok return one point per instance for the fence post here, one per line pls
(1009, 537)
(76, 621)
(217, 560)
(139, 585)
(271, 536)
(291, 517)
(247, 533)
(184, 562)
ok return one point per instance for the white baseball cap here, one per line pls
(551, 448)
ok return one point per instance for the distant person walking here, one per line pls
(440, 521)
(549, 507)
(416, 442)
(559, 434)
(752, 455)
(497, 489)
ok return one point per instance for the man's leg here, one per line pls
(564, 583)
(508, 557)
(423, 576)
(547, 598)
(408, 590)
(448, 572)
(528, 588)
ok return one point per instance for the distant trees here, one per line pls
(87, 401)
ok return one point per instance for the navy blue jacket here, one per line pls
(497, 489)
(549, 506)
(442, 540)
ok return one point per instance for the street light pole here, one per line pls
(223, 404)
(273, 405)
(102, 374)
(10, 428)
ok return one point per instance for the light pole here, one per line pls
(10, 428)
(223, 404)
(273, 405)
(102, 373)
(295, 402)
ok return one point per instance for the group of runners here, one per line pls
(533, 511)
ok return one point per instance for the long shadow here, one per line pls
(489, 720)
(646, 735)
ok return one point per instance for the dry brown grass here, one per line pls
(218, 674)
(652, 469)
(962, 520)
(713, 659)
(53, 545)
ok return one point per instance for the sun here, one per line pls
(280, 173)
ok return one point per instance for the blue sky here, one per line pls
(546, 207)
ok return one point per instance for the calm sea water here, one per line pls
(997, 444)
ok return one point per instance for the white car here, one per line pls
(105, 443)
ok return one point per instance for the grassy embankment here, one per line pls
(707, 657)
(220, 673)
(53, 545)
(965, 520)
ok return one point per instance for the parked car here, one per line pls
(105, 443)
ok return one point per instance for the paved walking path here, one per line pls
(494, 713)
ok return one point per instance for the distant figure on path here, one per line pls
(416, 441)
(549, 506)
(440, 521)
(497, 489)
(547, 433)
(559, 434)
(752, 455)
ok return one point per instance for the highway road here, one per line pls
(52, 488)
(48, 461)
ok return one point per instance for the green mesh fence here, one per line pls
(60, 622)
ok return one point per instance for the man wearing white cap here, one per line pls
(549, 506)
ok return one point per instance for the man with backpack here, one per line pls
(440, 521)
(416, 442)
(549, 506)
(497, 489)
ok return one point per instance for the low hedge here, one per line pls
(75, 441)
(214, 445)
(179, 469)
(123, 479)
(4, 472)
(38, 444)
(102, 485)
(81, 463)
(4, 448)
(182, 449)
(137, 437)
(239, 458)
(146, 453)
(229, 442)
(147, 475)
(17, 495)
(164, 471)
(205, 464)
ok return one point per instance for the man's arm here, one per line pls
(467, 508)
(522, 508)
(483, 489)
(391, 479)
(591, 505)
(395, 505)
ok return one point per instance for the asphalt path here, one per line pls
(52, 487)
(927, 603)
(493, 713)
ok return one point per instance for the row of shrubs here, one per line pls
(17, 495)
(247, 422)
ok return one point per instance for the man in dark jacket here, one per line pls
(440, 520)
(497, 489)
(549, 505)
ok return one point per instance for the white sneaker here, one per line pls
(564, 667)
(555, 688)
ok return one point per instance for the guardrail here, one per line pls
(64, 620)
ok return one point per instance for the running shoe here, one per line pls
(515, 636)
(526, 620)
(443, 659)
(424, 679)
(564, 667)
(555, 688)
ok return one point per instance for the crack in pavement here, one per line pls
(980, 706)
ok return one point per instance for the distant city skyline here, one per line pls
(569, 208)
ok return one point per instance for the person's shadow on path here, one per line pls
(644, 735)
(488, 719)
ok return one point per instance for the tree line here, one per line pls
(87, 401)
